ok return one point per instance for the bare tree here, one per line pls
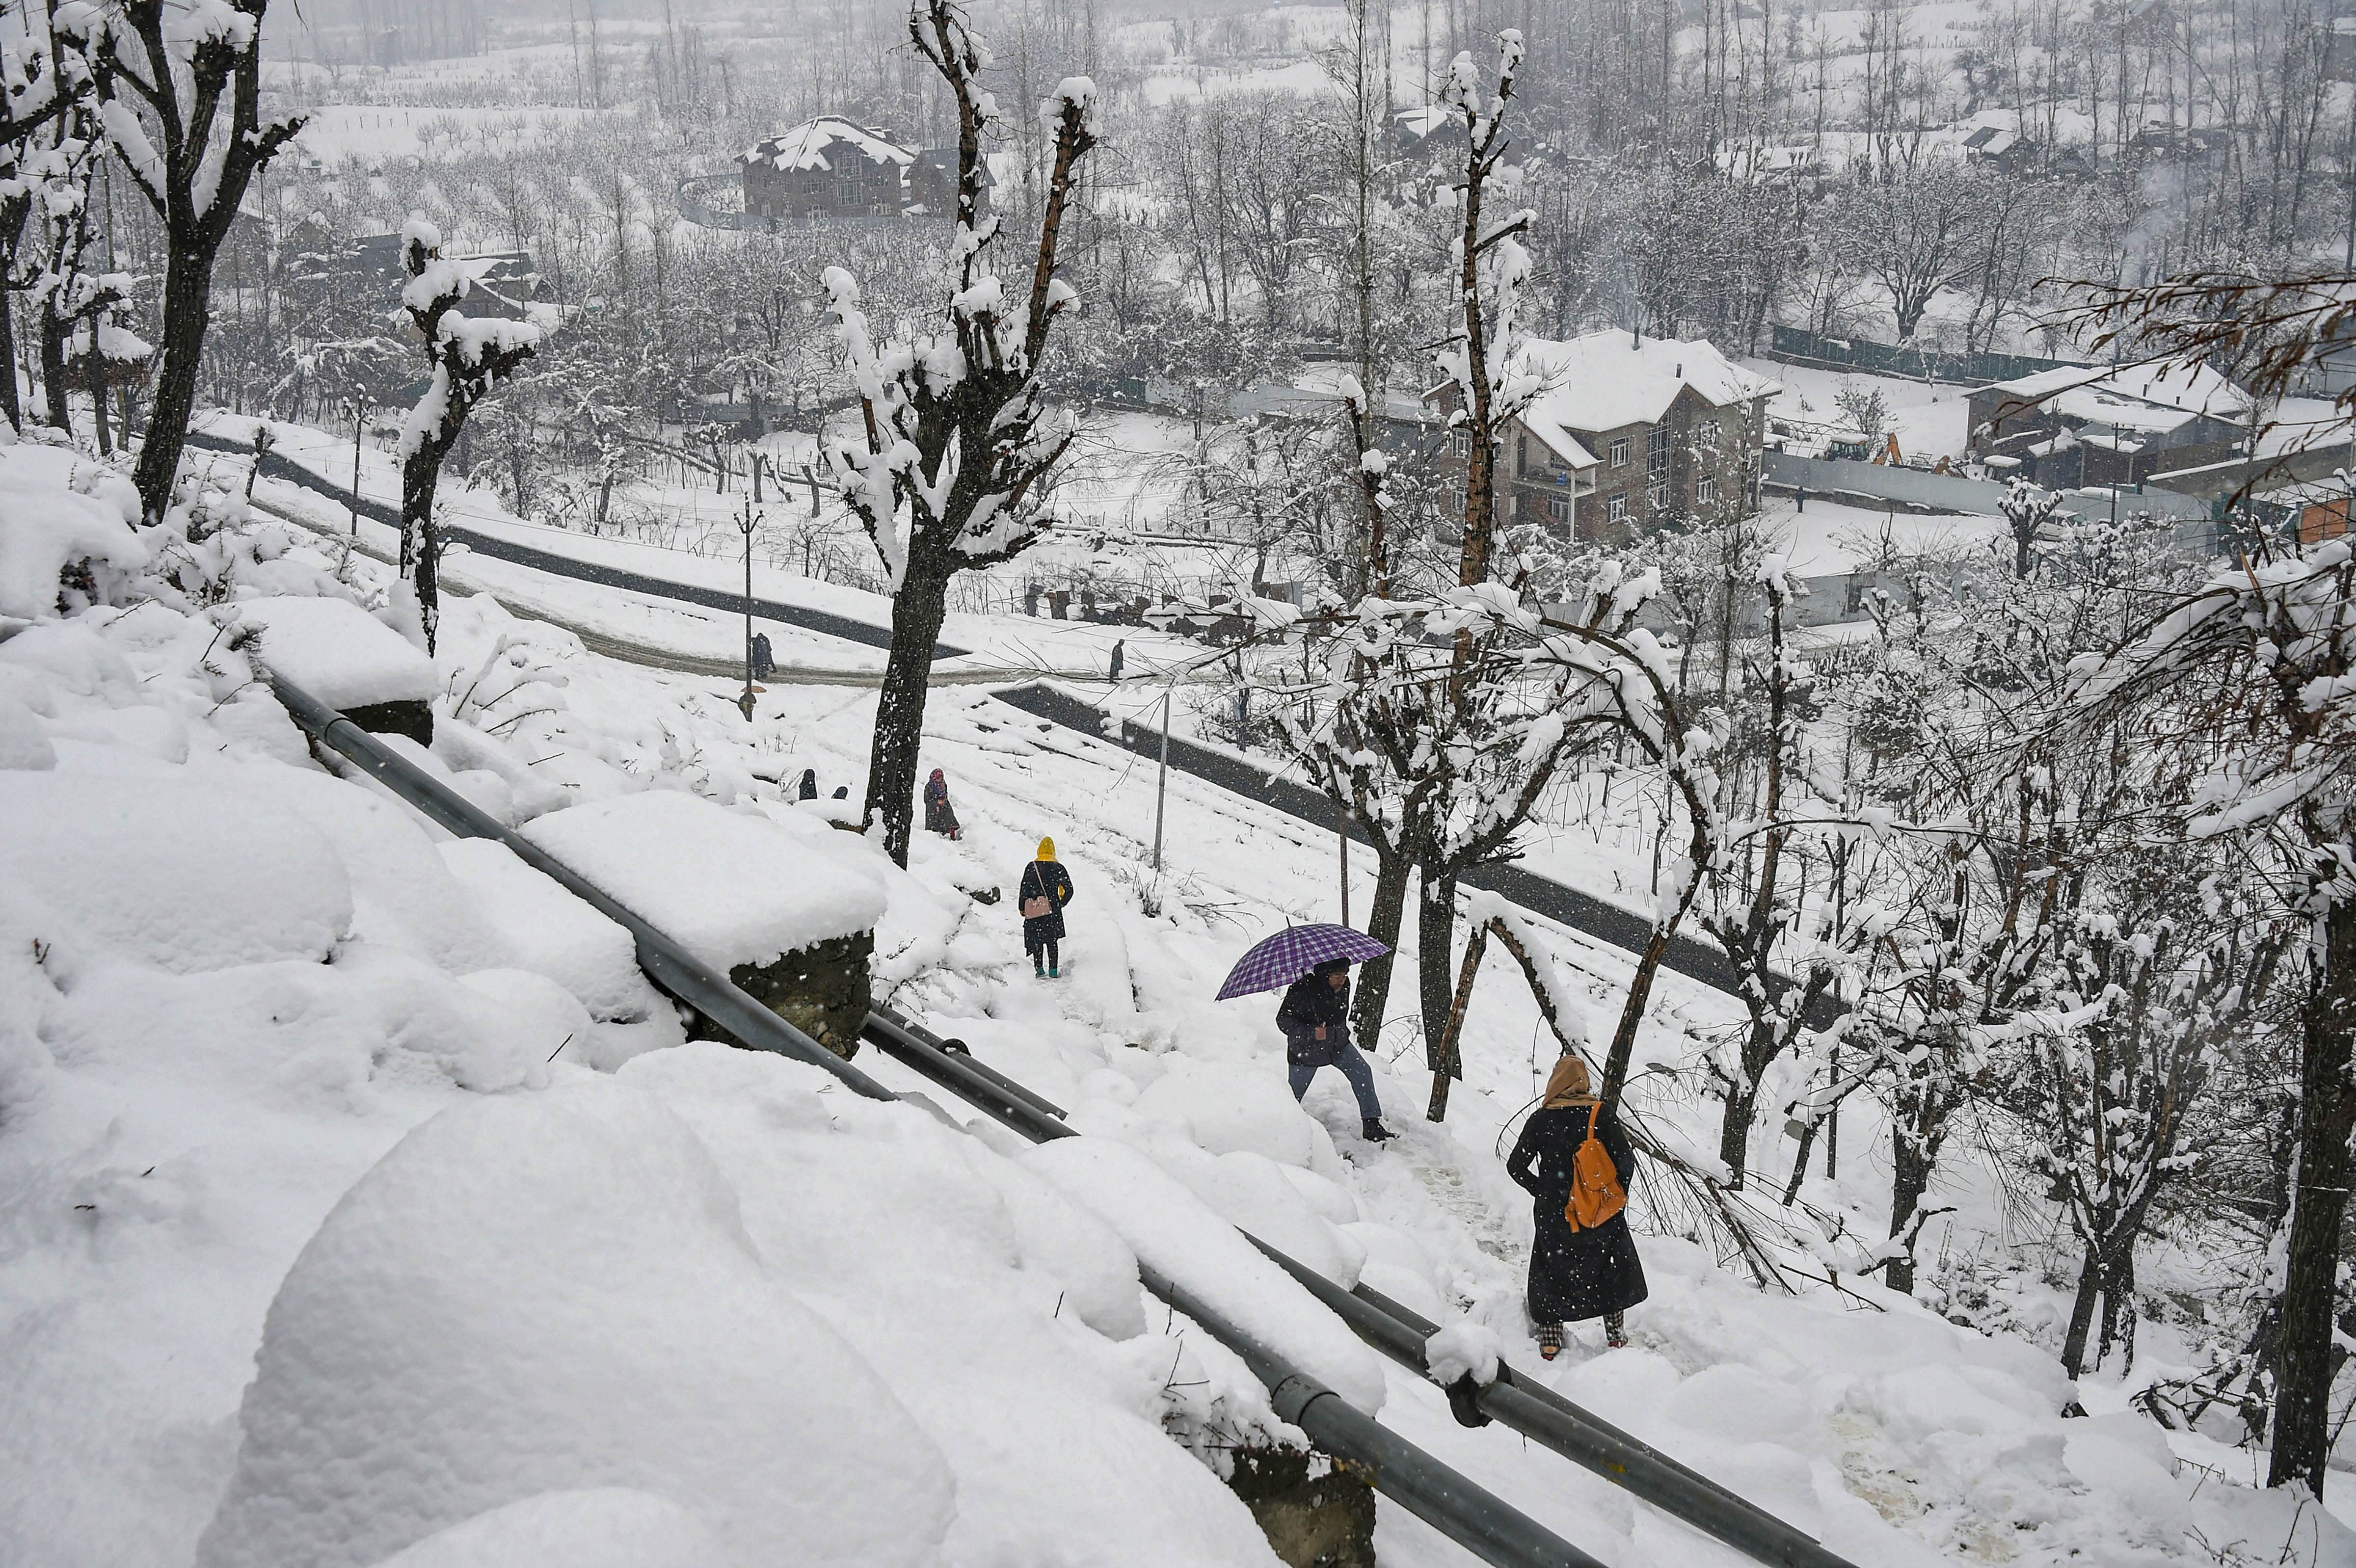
(948, 469)
(192, 76)
(2261, 662)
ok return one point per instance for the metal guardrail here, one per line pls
(1434, 1492)
(1398, 1331)
(277, 465)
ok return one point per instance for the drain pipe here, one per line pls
(1472, 1517)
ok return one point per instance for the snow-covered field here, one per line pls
(362, 1204)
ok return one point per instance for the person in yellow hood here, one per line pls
(1047, 889)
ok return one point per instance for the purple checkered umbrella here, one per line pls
(1275, 962)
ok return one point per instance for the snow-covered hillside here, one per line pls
(361, 1203)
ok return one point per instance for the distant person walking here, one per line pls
(810, 784)
(1314, 1016)
(765, 663)
(1119, 654)
(1577, 1271)
(1047, 889)
(939, 816)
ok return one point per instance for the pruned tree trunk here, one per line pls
(917, 611)
(10, 401)
(1451, 1064)
(2081, 1312)
(2327, 1114)
(1435, 942)
(55, 390)
(1384, 917)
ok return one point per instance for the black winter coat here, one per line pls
(1308, 1002)
(939, 816)
(1044, 878)
(1575, 1274)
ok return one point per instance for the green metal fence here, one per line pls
(1922, 364)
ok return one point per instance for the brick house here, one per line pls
(2078, 426)
(1626, 436)
(826, 167)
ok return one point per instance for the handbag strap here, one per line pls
(1593, 1112)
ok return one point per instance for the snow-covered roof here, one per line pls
(1420, 122)
(810, 145)
(1607, 379)
(2158, 396)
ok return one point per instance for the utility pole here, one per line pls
(357, 405)
(1162, 775)
(1342, 831)
(747, 521)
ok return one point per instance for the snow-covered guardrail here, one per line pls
(1400, 1332)
(1436, 1493)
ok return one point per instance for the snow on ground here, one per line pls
(1002, 642)
(505, 1287)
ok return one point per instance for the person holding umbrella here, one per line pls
(1312, 963)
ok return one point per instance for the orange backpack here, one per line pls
(1595, 1191)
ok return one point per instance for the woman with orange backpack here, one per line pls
(1583, 1262)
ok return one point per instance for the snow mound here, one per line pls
(1229, 1106)
(1461, 1350)
(222, 880)
(1175, 1234)
(338, 652)
(45, 525)
(552, 933)
(731, 886)
(402, 895)
(550, 1292)
(609, 1527)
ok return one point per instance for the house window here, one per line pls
(1620, 509)
(1706, 492)
(1656, 497)
(1706, 434)
(1521, 455)
(1559, 508)
(1460, 443)
(1620, 453)
(1657, 452)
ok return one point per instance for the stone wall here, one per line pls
(821, 990)
(1316, 1512)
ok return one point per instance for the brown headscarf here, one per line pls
(1566, 1086)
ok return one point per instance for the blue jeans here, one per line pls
(1354, 1068)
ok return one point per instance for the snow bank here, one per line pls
(1007, 1317)
(1229, 1105)
(608, 1527)
(1175, 1233)
(552, 933)
(549, 1293)
(1462, 1350)
(402, 895)
(55, 509)
(167, 873)
(731, 887)
(338, 652)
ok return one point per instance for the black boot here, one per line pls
(1373, 1132)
